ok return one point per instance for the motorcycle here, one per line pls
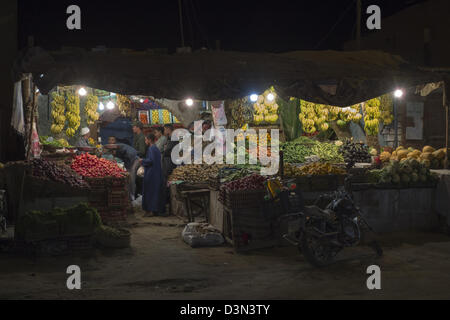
(320, 231)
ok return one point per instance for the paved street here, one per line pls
(160, 266)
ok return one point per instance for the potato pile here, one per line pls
(428, 156)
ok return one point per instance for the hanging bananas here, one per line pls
(266, 109)
(58, 109)
(387, 109)
(90, 109)
(371, 118)
(124, 104)
(72, 114)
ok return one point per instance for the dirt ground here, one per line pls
(160, 266)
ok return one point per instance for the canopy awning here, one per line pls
(328, 77)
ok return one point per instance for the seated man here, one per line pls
(84, 139)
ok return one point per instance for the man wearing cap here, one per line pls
(139, 140)
(84, 139)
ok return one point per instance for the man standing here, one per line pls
(139, 140)
(161, 138)
(167, 164)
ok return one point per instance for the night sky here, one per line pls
(271, 26)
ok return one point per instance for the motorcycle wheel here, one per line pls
(317, 253)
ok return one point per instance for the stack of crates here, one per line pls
(110, 197)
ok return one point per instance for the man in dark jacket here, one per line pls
(139, 140)
(131, 161)
(167, 164)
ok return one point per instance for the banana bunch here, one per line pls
(372, 116)
(63, 142)
(91, 142)
(91, 109)
(166, 116)
(265, 109)
(314, 117)
(72, 114)
(124, 104)
(58, 109)
(387, 109)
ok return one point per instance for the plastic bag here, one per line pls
(138, 202)
(140, 172)
(202, 235)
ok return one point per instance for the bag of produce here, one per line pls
(202, 235)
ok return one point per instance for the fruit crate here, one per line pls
(118, 182)
(96, 182)
(244, 199)
(118, 199)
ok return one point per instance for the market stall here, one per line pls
(321, 101)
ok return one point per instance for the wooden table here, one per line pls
(200, 198)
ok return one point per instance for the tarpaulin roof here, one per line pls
(329, 77)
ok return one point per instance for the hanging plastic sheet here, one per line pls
(17, 119)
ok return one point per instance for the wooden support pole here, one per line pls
(445, 103)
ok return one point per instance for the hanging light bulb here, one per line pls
(101, 106)
(270, 97)
(254, 98)
(110, 105)
(82, 92)
(398, 93)
(141, 101)
(189, 102)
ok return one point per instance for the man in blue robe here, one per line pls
(152, 191)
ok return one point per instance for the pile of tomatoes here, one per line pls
(91, 166)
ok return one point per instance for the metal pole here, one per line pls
(395, 123)
(181, 22)
(358, 24)
(446, 125)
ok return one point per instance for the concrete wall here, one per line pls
(419, 34)
(390, 210)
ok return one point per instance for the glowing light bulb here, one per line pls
(82, 92)
(189, 102)
(270, 97)
(110, 105)
(101, 106)
(398, 93)
(254, 98)
(141, 101)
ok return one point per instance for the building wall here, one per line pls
(419, 34)
(433, 121)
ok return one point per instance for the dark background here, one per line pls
(273, 26)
